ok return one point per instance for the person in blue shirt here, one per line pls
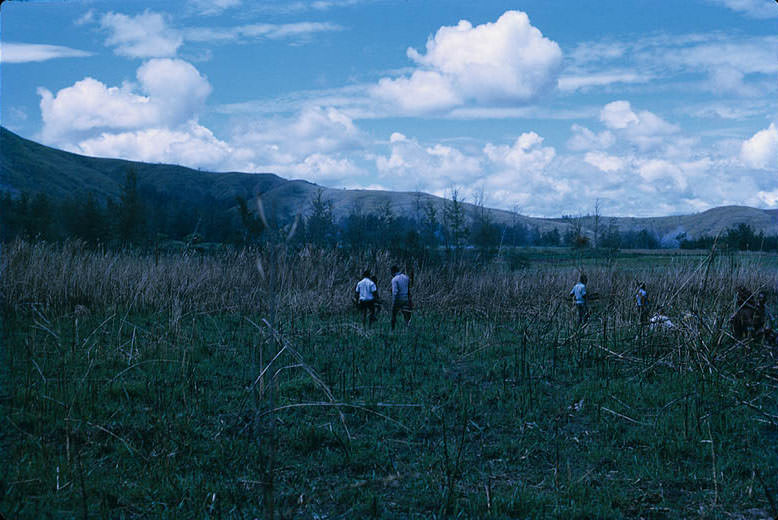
(641, 300)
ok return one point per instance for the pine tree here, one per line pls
(131, 218)
(320, 226)
(92, 225)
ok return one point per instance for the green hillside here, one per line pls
(26, 166)
(31, 167)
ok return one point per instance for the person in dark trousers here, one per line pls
(366, 295)
(401, 295)
(641, 300)
(578, 292)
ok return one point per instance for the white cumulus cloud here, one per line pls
(313, 130)
(155, 119)
(89, 104)
(507, 61)
(584, 139)
(770, 198)
(643, 128)
(312, 145)
(191, 144)
(618, 114)
(177, 87)
(525, 155)
(169, 92)
(604, 162)
(761, 150)
(437, 166)
(423, 91)
(146, 35)
(322, 167)
(661, 174)
(520, 173)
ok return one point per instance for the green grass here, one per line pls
(472, 412)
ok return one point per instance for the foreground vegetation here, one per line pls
(242, 384)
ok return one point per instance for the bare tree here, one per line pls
(484, 232)
(596, 222)
(430, 223)
(454, 220)
(418, 204)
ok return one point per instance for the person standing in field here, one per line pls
(745, 308)
(578, 292)
(366, 295)
(641, 300)
(401, 295)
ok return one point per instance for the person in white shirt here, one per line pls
(579, 298)
(366, 295)
(401, 295)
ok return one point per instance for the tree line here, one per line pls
(741, 237)
(141, 216)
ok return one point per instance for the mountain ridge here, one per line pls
(27, 166)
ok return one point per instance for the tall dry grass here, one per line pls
(63, 276)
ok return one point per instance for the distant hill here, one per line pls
(26, 166)
(710, 222)
(31, 167)
(707, 223)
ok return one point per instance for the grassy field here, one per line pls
(243, 385)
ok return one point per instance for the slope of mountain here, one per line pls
(710, 222)
(31, 167)
(26, 166)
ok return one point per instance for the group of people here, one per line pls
(367, 299)
(750, 320)
(581, 297)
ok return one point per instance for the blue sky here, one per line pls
(651, 107)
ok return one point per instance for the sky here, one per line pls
(643, 107)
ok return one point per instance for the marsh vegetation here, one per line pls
(241, 384)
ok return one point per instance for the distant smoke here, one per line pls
(673, 238)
